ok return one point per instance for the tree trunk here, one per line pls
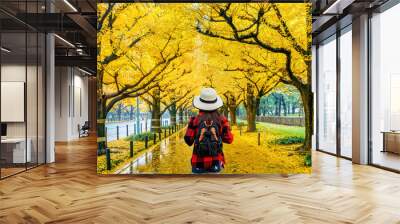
(172, 113)
(232, 113)
(232, 108)
(276, 101)
(180, 116)
(119, 112)
(225, 111)
(284, 106)
(307, 98)
(279, 106)
(131, 113)
(101, 126)
(251, 120)
(252, 104)
(156, 113)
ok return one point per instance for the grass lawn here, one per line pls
(277, 129)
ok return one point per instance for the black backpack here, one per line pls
(208, 145)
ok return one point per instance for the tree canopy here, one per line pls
(165, 53)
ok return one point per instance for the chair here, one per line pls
(84, 130)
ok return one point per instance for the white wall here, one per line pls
(33, 127)
(71, 102)
(14, 73)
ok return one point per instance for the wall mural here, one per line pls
(204, 88)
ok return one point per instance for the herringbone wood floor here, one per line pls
(69, 191)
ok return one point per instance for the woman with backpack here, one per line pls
(208, 131)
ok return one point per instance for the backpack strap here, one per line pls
(198, 132)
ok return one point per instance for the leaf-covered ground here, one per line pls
(243, 156)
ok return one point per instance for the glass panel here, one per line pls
(41, 99)
(346, 94)
(13, 85)
(385, 84)
(32, 96)
(327, 96)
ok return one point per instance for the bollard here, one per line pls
(108, 158)
(117, 132)
(154, 138)
(127, 131)
(131, 149)
(169, 130)
(159, 135)
(165, 133)
(146, 141)
(240, 129)
(259, 138)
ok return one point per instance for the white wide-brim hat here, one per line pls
(208, 100)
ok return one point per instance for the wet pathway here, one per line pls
(171, 156)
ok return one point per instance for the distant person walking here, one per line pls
(207, 131)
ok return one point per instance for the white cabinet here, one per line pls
(19, 155)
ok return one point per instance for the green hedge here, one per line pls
(141, 136)
(289, 140)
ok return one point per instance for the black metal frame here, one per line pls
(338, 98)
(37, 164)
(0, 85)
(369, 70)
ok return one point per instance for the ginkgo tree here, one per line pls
(167, 96)
(164, 53)
(135, 51)
(284, 29)
(239, 81)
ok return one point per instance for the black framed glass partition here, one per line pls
(380, 75)
(334, 94)
(385, 89)
(22, 77)
(345, 92)
(326, 97)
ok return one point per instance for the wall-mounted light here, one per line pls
(65, 41)
(84, 71)
(337, 7)
(5, 50)
(70, 5)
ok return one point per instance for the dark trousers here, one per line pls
(215, 168)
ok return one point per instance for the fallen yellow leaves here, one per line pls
(243, 156)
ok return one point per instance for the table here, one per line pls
(391, 141)
(13, 150)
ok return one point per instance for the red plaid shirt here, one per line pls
(205, 162)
